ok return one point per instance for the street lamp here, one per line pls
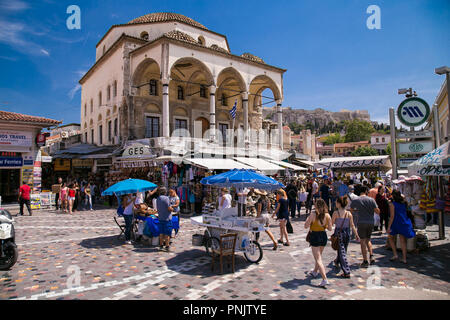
(441, 71)
(407, 92)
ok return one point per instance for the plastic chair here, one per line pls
(226, 249)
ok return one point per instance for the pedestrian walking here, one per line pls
(64, 197)
(58, 202)
(128, 205)
(71, 192)
(309, 199)
(342, 219)
(165, 219)
(88, 195)
(242, 201)
(317, 223)
(399, 224)
(282, 214)
(324, 192)
(365, 207)
(175, 204)
(291, 191)
(383, 205)
(302, 198)
(24, 198)
(263, 215)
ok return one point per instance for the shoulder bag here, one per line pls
(335, 237)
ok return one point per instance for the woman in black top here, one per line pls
(309, 198)
(282, 213)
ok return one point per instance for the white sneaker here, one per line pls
(324, 283)
(128, 242)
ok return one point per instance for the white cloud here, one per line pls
(73, 91)
(12, 34)
(13, 5)
(45, 52)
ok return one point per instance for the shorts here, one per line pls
(264, 219)
(365, 230)
(318, 239)
(165, 227)
(71, 198)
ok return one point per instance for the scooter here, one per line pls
(8, 248)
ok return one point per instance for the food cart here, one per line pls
(227, 220)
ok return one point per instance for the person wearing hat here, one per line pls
(262, 209)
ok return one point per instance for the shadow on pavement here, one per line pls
(204, 269)
(102, 242)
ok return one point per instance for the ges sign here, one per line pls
(136, 150)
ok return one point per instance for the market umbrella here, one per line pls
(243, 178)
(129, 186)
(434, 163)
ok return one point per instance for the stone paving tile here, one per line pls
(53, 247)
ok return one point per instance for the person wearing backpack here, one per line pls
(343, 221)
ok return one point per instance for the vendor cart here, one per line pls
(227, 221)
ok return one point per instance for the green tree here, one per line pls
(364, 151)
(358, 130)
(334, 138)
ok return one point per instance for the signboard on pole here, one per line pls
(416, 147)
(415, 134)
(413, 112)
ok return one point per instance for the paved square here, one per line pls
(54, 247)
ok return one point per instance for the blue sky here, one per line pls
(333, 60)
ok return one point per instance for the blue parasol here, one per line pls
(243, 178)
(129, 186)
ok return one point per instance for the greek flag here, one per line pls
(233, 110)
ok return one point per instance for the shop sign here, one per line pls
(413, 112)
(11, 162)
(15, 138)
(62, 165)
(46, 159)
(415, 134)
(104, 161)
(35, 201)
(7, 154)
(351, 163)
(136, 150)
(405, 162)
(415, 147)
(40, 139)
(82, 163)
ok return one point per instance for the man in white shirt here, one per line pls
(315, 190)
(242, 201)
(225, 199)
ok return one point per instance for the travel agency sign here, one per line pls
(413, 112)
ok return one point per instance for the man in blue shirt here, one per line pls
(165, 218)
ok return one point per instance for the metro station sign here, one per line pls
(413, 112)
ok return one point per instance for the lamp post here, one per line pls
(441, 71)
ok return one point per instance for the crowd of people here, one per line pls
(74, 195)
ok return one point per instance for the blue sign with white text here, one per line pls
(11, 162)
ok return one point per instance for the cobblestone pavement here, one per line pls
(53, 247)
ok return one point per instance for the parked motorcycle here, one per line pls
(8, 248)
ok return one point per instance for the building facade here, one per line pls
(20, 155)
(380, 142)
(164, 71)
(444, 120)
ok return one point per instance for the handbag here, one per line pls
(289, 228)
(335, 238)
(308, 237)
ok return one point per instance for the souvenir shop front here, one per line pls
(434, 169)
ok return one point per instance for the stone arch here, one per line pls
(91, 123)
(189, 73)
(108, 113)
(152, 108)
(180, 111)
(256, 88)
(99, 119)
(147, 70)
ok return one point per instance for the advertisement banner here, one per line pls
(415, 147)
(15, 138)
(35, 201)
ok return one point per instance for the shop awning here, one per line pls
(434, 163)
(348, 163)
(288, 165)
(259, 164)
(217, 164)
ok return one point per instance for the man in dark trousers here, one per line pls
(292, 192)
(24, 198)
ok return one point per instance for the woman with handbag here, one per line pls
(317, 223)
(343, 221)
(282, 214)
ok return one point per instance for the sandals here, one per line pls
(279, 241)
(393, 259)
(286, 244)
(346, 276)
